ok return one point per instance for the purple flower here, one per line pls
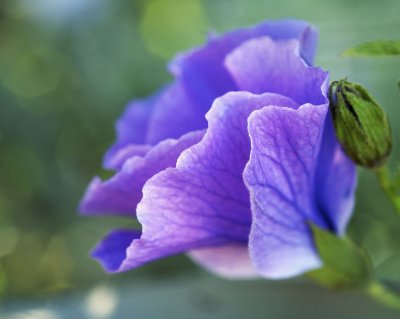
(231, 161)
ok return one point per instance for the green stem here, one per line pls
(381, 294)
(384, 178)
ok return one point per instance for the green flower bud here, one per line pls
(361, 125)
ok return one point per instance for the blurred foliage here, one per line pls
(67, 68)
(374, 48)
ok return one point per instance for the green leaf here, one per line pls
(345, 265)
(374, 48)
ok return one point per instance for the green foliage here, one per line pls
(374, 48)
(344, 264)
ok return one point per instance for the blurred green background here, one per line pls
(67, 69)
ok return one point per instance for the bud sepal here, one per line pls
(361, 125)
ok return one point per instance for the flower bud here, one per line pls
(361, 125)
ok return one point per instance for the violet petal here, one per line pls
(112, 249)
(174, 115)
(121, 193)
(202, 69)
(201, 78)
(264, 65)
(335, 181)
(131, 132)
(203, 202)
(280, 176)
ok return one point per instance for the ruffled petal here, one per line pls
(174, 114)
(117, 155)
(121, 193)
(168, 114)
(131, 133)
(201, 78)
(203, 72)
(203, 202)
(280, 177)
(335, 181)
(264, 65)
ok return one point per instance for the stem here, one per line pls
(384, 178)
(381, 294)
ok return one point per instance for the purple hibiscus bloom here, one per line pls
(231, 162)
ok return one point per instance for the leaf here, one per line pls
(374, 48)
(345, 265)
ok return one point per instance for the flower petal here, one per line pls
(264, 65)
(174, 115)
(335, 181)
(280, 177)
(131, 133)
(112, 249)
(168, 114)
(203, 72)
(203, 202)
(201, 78)
(122, 192)
(228, 261)
(118, 154)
